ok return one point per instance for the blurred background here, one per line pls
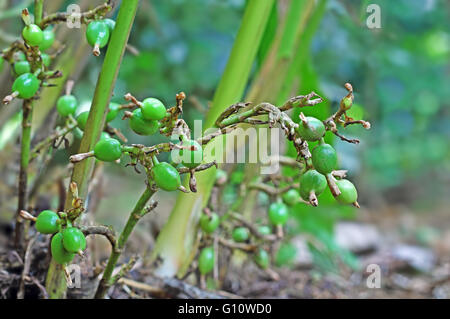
(400, 74)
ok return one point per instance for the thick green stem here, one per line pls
(94, 126)
(38, 11)
(175, 243)
(268, 84)
(301, 52)
(136, 214)
(27, 113)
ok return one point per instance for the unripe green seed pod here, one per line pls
(59, 254)
(108, 150)
(314, 130)
(206, 260)
(209, 223)
(240, 234)
(262, 258)
(324, 158)
(312, 181)
(48, 222)
(349, 194)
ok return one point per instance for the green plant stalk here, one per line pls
(269, 34)
(82, 171)
(102, 95)
(279, 85)
(291, 28)
(301, 52)
(135, 215)
(267, 85)
(25, 145)
(175, 243)
(38, 11)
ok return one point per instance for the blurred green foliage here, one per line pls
(399, 73)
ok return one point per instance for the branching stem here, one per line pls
(136, 214)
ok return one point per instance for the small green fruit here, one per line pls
(46, 59)
(48, 222)
(114, 109)
(312, 181)
(314, 130)
(166, 176)
(240, 234)
(324, 158)
(193, 156)
(111, 24)
(349, 194)
(82, 120)
(97, 33)
(209, 223)
(32, 34)
(104, 136)
(264, 230)
(141, 126)
(262, 258)
(291, 197)
(26, 85)
(22, 67)
(73, 240)
(153, 109)
(48, 37)
(278, 213)
(206, 260)
(59, 254)
(67, 105)
(108, 150)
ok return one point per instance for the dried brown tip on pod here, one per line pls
(96, 50)
(313, 199)
(193, 183)
(127, 115)
(77, 203)
(74, 189)
(207, 211)
(56, 74)
(79, 157)
(303, 118)
(10, 97)
(130, 97)
(27, 216)
(356, 204)
(183, 189)
(342, 173)
(349, 87)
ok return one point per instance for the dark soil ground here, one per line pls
(414, 262)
